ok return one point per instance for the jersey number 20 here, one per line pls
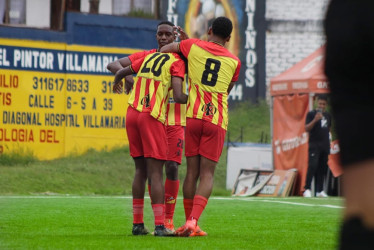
(156, 68)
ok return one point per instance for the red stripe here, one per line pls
(220, 109)
(160, 110)
(167, 111)
(208, 99)
(147, 83)
(138, 86)
(189, 91)
(197, 102)
(153, 97)
(177, 114)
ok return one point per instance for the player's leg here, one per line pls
(204, 189)
(357, 231)
(171, 192)
(349, 27)
(155, 174)
(138, 185)
(153, 135)
(138, 190)
(194, 130)
(175, 137)
(190, 183)
(313, 158)
(210, 149)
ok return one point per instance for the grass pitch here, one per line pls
(105, 222)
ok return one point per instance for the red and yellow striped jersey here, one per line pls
(175, 112)
(211, 69)
(153, 82)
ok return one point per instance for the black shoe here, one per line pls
(139, 229)
(162, 231)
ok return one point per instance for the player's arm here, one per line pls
(117, 65)
(178, 95)
(230, 87)
(172, 47)
(121, 74)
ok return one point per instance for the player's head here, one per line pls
(165, 33)
(322, 102)
(221, 27)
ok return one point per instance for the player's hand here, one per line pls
(117, 87)
(129, 83)
(181, 33)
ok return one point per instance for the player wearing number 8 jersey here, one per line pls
(212, 72)
(145, 119)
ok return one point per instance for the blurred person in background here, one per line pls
(318, 125)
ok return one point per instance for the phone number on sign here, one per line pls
(60, 84)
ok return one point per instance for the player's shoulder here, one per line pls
(177, 56)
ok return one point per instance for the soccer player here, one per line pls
(145, 119)
(212, 72)
(175, 123)
(349, 28)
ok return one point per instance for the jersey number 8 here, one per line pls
(212, 72)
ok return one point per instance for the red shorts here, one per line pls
(147, 136)
(175, 137)
(204, 138)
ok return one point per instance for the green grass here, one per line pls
(75, 203)
(105, 173)
(111, 173)
(63, 222)
(252, 119)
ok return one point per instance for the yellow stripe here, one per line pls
(31, 43)
(103, 49)
(61, 46)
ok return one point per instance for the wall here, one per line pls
(38, 13)
(294, 31)
(56, 95)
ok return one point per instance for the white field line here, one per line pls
(281, 202)
(257, 199)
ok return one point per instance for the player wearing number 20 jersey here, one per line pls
(211, 68)
(150, 91)
(175, 112)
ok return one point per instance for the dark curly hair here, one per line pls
(166, 22)
(222, 27)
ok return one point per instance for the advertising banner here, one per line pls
(290, 140)
(247, 39)
(56, 99)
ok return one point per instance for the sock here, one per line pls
(159, 213)
(149, 192)
(188, 204)
(137, 210)
(199, 203)
(171, 193)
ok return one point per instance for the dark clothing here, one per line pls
(317, 167)
(349, 30)
(319, 135)
(319, 149)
